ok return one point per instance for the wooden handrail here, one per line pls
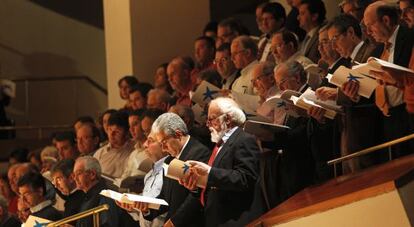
(371, 149)
(53, 78)
(9, 128)
(94, 211)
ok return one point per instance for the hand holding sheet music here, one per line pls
(153, 203)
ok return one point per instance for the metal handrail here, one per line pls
(370, 150)
(50, 78)
(94, 211)
(38, 128)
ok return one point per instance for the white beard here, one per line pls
(217, 136)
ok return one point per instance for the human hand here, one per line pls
(350, 89)
(326, 93)
(317, 113)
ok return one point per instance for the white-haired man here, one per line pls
(172, 133)
(87, 174)
(232, 169)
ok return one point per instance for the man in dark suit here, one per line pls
(382, 22)
(172, 133)
(231, 196)
(312, 15)
(32, 189)
(87, 174)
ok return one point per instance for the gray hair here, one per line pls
(294, 68)
(247, 43)
(230, 107)
(161, 95)
(169, 123)
(90, 163)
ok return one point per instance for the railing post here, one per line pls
(335, 173)
(390, 153)
(96, 219)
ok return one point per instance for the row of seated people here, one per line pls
(293, 160)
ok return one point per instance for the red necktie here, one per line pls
(210, 163)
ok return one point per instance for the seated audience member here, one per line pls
(8, 194)
(172, 133)
(179, 76)
(34, 158)
(6, 219)
(62, 174)
(243, 54)
(49, 156)
(32, 189)
(330, 58)
(138, 96)
(137, 156)
(114, 156)
(81, 121)
(125, 84)
(87, 139)
(225, 66)
(204, 51)
(259, 21)
(312, 15)
(104, 125)
(158, 99)
(285, 48)
(11, 175)
(23, 210)
(66, 145)
(273, 20)
(18, 155)
(87, 175)
(232, 170)
(148, 118)
(161, 78)
(152, 182)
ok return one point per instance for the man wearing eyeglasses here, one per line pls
(225, 66)
(172, 134)
(230, 195)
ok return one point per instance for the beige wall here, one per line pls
(36, 41)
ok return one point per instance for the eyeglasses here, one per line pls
(211, 119)
(221, 60)
(259, 78)
(406, 10)
(283, 81)
(277, 46)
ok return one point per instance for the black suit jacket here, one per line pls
(49, 213)
(177, 196)
(231, 190)
(403, 46)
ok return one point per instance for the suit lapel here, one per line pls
(312, 41)
(226, 146)
(186, 151)
(399, 44)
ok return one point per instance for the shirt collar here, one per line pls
(356, 49)
(227, 135)
(393, 37)
(158, 164)
(248, 67)
(40, 206)
(185, 144)
(312, 32)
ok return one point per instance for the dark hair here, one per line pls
(130, 80)
(85, 119)
(152, 114)
(66, 136)
(142, 88)
(389, 10)
(343, 22)
(316, 7)
(277, 10)
(20, 154)
(164, 66)
(137, 113)
(34, 180)
(211, 76)
(209, 41)
(289, 37)
(120, 119)
(224, 47)
(234, 25)
(210, 26)
(64, 166)
(35, 154)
